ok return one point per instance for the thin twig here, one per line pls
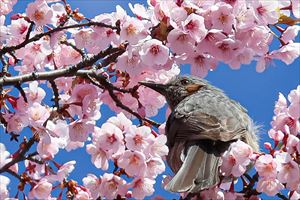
(20, 156)
(74, 47)
(281, 196)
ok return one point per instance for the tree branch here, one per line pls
(20, 155)
(66, 72)
(39, 36)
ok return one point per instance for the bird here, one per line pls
(202, 125)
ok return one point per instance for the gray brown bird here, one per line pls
(202, 125)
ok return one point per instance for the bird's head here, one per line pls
(177, 88)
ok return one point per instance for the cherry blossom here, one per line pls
(64, 76)
(133, 162)
(138, 138)
(111, 186)
(236, 159)
(266, 166)
(4, 181)
(39, 12)
(154, 52)
(42, 190)
(92, 183)
(269, 186)
(142, 188)
(109, 138)
(6, 6)
(194, 26)
(221, 16)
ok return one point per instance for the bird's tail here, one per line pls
(200, 170)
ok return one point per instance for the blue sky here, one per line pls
(255, 91)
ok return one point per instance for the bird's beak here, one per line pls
(158, 87)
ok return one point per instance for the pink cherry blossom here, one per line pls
(18, 29)
(270, 186)
(130, 62)
(288, 53)
(265, 11)
(121, 121)
(142, 187)
(151, 105)
(109, 138)
(34, 92)
(236, 159)
(133, 162)
(180, 42)
(194, 26)
(222, 17)
(39, 12)
(47, 150)
(85, 38)
(155, 166)
(111, 186)
(276, 135)
(35, 55)
(201, 64)
(154, 52)
(294, 98)
(212, 193)
(133, 30)
(4, 158)
(82, 194)
(4, 182)
(42, 190)
(92, 183)
(80, 129)
(99, 156)
(290, 33)
(158, 147)
(6, 6)
(266, 166)
(38, 114)
(65, 55)
(15, 122)
(288, 170)
(138, 138)
(281, 104)
(4, 31)
(63, 172)
(296, 8)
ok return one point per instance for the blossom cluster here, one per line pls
(135, 150)
(86, 63)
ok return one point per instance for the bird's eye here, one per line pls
(184, 81)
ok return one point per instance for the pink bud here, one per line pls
(268, 146)
(16, 16)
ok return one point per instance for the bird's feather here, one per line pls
(198, 171)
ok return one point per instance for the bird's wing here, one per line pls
(207, 116)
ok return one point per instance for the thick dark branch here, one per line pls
(281, 196)
(66, 72)
(21, 155)
(22, 92)
(29, 31)
(14, 174)
(56, 94)
(39, 36)
(4, 66)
